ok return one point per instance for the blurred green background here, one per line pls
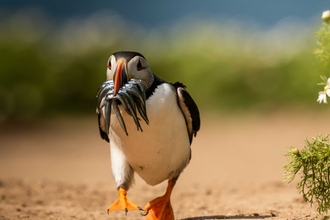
(49, 69)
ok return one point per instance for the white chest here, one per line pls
(162, 150)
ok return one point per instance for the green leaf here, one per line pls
(312, 164)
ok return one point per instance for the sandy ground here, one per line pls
(59, 169)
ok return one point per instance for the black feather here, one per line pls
(184, 96)
(103, 134)
(157, 81)
(127, 55)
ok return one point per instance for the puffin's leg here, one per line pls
(124, 177)
(160, 208)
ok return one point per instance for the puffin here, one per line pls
(150, 125)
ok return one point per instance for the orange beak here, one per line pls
(120, 77)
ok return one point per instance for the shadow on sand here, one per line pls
(256, 216)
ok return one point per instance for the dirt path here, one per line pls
(60, 169)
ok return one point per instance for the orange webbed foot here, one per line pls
(160, 208)
(123, 203)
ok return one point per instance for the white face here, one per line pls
(136, 68)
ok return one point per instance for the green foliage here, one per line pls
(323, 50)
(324, 80)
(47, 69)
(313, 161)
(313, 165)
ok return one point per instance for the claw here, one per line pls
(119, 116)
(143, 212)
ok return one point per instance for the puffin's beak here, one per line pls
(120, 77)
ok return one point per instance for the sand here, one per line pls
(59, 168)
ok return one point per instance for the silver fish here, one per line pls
(107, 114)
(131, 97)
(132, 108)
(119, 116)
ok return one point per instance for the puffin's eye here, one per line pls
(109, 64)
(139, 66)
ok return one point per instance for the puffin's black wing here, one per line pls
(102, 128)
(189, 109)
